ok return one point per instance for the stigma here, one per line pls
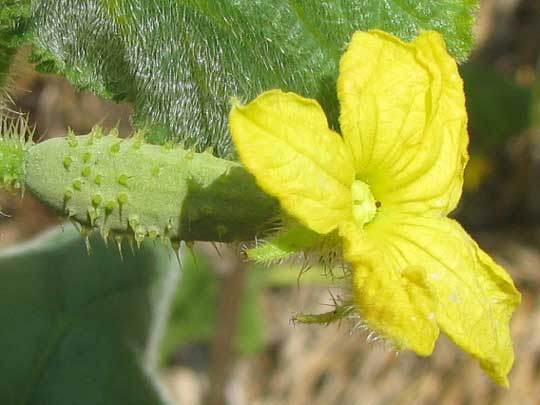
(364, 205)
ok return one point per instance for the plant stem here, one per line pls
(233, 271)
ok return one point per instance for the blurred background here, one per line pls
(230, 334)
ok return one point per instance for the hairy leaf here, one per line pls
(179, 62)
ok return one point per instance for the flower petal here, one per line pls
(475, 297)
(403, 116)
(393, 300)
(284, 140)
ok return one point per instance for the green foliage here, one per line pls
(125, 186)
(78, 328)
(498, 107)
(82, 329)
(195, 309)
(14, 15)
(179, 62)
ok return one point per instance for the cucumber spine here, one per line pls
(15, 141)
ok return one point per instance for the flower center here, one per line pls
(364, 206)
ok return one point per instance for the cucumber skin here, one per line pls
(127, 187)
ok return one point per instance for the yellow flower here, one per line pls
(387, 186)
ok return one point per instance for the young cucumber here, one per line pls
(125, 186)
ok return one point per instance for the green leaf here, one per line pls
(179, 62)
(80, 329)
(14, 16)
